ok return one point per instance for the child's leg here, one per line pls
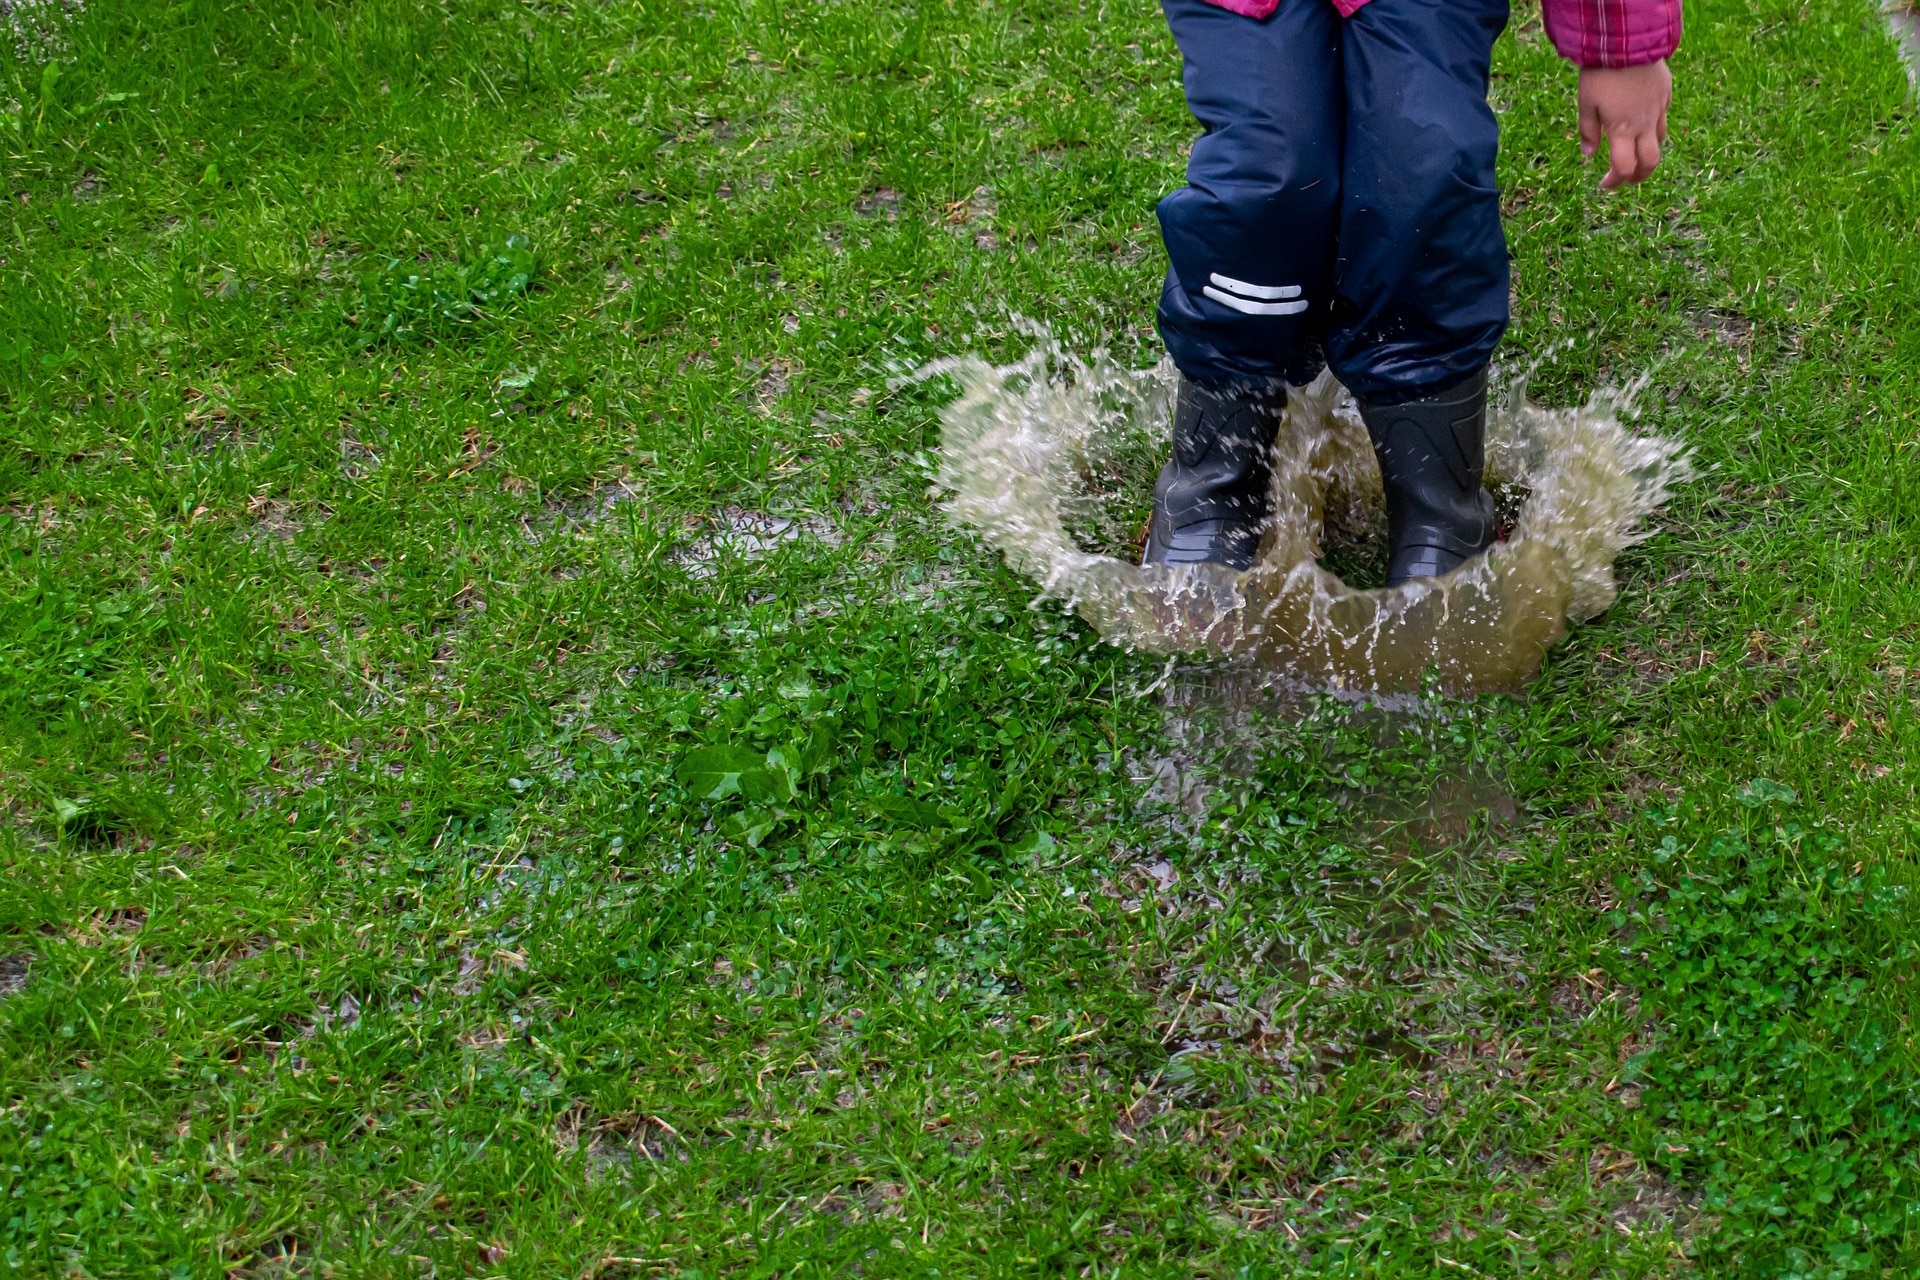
(1420, 288)
(1251, 235)
(1251, 239)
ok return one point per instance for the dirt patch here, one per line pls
(342, 1016)
(973, 215)
(1579, 995)
(864, 1201)
(750, 535)
(881, 202)
(214, 421)
(43, 517)
(616, 1142)
(770, 384)
(1728, 328)
(274, 521)
(473, 972)
(358, 459)
(13, 973)
(477, 963)
(488, 1037)
(1641, 1200)
(593, 508)
(107, 926)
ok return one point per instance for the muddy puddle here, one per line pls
(1405, 888)
(1051, 458)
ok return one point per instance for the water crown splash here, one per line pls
(1049, 459)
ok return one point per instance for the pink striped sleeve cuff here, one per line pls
(1249, 8)
(1613, 33)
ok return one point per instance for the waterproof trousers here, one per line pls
(1341, 207)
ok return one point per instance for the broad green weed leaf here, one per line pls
(908, 811)
(714, 773)
(1765, 791)
(1038, 844)
(752, 826)
(518, 379)
(767, 782)
(49, 83)
(816, 755)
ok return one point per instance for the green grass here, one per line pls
(508, 773)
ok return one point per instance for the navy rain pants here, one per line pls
(1341, 207)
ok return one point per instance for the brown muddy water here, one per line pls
(1051, 460)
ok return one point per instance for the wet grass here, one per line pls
(506, 772)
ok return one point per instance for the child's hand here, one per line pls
(1629, 106)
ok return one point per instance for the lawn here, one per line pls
(508, 771)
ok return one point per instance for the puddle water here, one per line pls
(1903, 20)
(1219, 718)
(1404, 891)
(1452, 812)
(1051, 460)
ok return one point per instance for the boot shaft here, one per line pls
(1222, 453)
(1432, 455)
(1214, 495)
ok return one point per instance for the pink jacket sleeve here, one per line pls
(1613, 33)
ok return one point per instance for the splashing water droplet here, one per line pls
(1050, 459)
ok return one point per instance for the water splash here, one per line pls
(1051, 459)
(38, 29)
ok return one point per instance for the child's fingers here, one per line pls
(1589, 129)
(1631, 156)
(1649, 153)
(1622, 159)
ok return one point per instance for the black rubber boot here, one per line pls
(1214, 496)
(1432, 461)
